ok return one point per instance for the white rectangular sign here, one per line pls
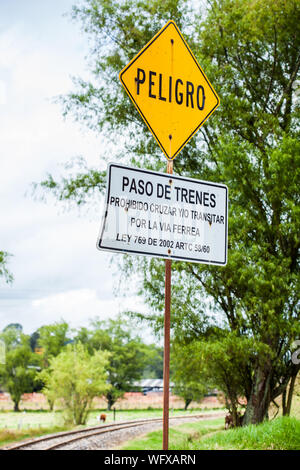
(166, 216)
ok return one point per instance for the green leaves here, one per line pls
(4, 272)
(18, 372)
(128, 355)
(76, 378)
(52, 339)
(78, 187)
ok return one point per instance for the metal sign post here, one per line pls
(167, 354)
(167, 324)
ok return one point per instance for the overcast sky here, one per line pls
(59, 273)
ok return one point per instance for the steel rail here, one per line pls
(101, 431)
(97, 430)
(62, 434)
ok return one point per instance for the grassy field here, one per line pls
(36, 419)
(29, 423)
(7, 436)
(280, 434)
(16, 426)
(179, 435)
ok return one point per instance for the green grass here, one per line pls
(179, 435)
(11, 420)
(280, 434)
(8, 436)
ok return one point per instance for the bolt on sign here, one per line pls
(169, 89)
(165, 216)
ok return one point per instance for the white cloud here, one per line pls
(72, 305)
(78, 307)
(9, 50)
(3, 93)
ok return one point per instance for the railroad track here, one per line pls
(65, 439)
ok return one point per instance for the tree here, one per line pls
(52, 339)
(19, 370)
(34, 337)
(251, 54)
(4, 271)
(17, 327)
(76, 377)
(12, 335)
(187, 374)
(154, 363)
(226, 358)
(128, 354)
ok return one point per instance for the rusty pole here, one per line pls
(168, 269)
(168, 265)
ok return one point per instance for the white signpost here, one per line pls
(164, 215)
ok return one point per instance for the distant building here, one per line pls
(151, 385)
(157, 385)
(212, 393)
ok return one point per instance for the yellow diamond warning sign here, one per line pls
(169, 89)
